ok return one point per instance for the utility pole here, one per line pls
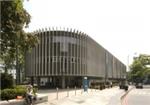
(128, 69)
(106, 64)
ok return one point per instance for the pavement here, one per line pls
(109, 96)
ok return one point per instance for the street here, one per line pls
(138, 97)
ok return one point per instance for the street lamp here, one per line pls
(128, 60)
(128, 63)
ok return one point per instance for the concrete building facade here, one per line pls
(63, 58)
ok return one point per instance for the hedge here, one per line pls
(7, 94)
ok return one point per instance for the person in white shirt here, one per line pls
(30, 94)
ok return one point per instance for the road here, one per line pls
(138, 97)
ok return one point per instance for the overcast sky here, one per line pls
(120, 26)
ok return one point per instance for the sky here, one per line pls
(120, 26)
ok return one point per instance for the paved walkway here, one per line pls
(109, 96)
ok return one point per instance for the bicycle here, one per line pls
(30, 100)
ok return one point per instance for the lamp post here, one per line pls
(128, 68)
(128, 60)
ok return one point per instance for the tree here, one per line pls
(14, 41)
(140, 68)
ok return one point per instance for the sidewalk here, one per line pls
(109, 96)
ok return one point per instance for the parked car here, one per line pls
(123, 85)
(139, 85)
(126, 87)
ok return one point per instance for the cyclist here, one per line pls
(29, 94)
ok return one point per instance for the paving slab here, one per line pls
(92, 97)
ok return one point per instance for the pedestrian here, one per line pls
(30, 94)
(111, 84)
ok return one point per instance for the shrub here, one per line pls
(8, 94)
(20, 87)
(19, 90)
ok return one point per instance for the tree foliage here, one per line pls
(14, 41)
(140, 68)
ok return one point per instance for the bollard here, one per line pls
(75, 90)
(67, 91)
(81, 89)
(57, 93)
